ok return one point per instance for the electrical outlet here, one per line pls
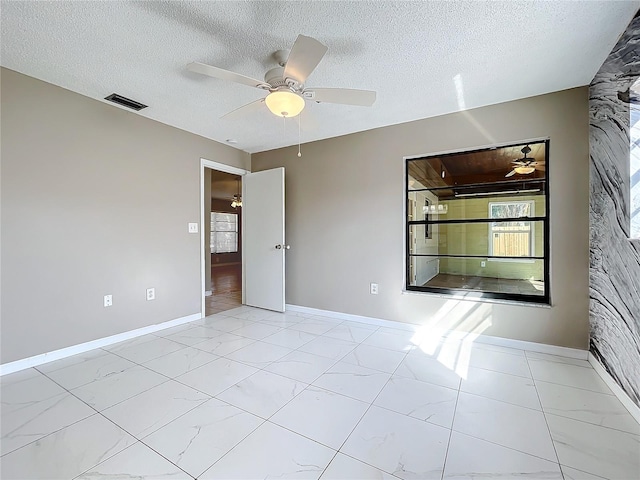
(193, 228)
(108, 300)
(151, 293)
(373, 289)
(483, 264)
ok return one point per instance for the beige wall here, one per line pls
(95, 201)
(345, 225)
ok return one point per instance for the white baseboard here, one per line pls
(354, 318)
(479, 338)
(36, 360)
(617, 390)
(534, 347)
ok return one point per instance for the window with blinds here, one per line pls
(224, 232)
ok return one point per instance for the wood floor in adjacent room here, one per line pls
(226, 288)
(254, 394)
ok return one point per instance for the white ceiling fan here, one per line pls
(525, 165)
(286, 83)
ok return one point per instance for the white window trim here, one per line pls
(532, 235)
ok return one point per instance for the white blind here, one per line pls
(224, 232)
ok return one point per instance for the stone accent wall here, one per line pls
(614, 271)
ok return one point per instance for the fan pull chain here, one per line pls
(299, 154)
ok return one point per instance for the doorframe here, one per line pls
(221, 167)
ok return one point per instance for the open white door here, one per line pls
(263, 238)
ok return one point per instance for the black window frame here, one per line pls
(478, 294)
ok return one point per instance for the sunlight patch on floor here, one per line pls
(449, 335)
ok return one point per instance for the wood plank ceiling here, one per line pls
(485, 168)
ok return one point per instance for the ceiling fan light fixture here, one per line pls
(284, 103)
(237, 201)
(524, 170)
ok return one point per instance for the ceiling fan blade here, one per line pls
(304, 57)
(511, 173)
(345, 96)
(223, 74)
(244, 110)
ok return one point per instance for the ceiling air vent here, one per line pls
(125, 102)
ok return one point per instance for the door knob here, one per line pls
(279, 247)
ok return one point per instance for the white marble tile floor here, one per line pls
(252, 394)
(321, 415)
(353, 381)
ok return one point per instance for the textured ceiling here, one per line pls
(423, 58)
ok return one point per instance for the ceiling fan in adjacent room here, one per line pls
(286, 83)
(525, 165)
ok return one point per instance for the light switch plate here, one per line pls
(193, 228)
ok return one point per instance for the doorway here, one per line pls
(262, 241)
(221, 237)
(224, 249)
